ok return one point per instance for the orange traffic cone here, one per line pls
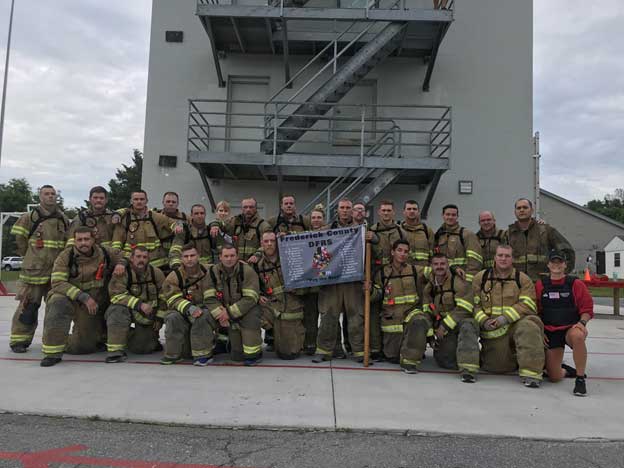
(587, 277)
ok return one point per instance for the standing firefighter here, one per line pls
(511, 331)
(196, 233)
(40, 236)
(282, 310)
(188, 324)
(337, 299)
(79, 281)
(382, 236)
(170, 202)
(288, 221)
(531, 242)
(232, 301)
(404, 326)
(448, 298)
(97, 217)
(460, 245)
(419, 235)
(245, 229)
(140, 226)
(489, 237)
(136, 297)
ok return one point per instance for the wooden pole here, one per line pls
(367, 293)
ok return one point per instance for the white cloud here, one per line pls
(77, 88)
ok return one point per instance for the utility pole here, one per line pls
(536, 158)
(6, 78)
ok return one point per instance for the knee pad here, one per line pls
(30, 314)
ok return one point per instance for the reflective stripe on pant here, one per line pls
(334, 300)
(60, 312)
(25, 318)
(460, 347)
(289, 334)
(246, 336)
(522, 348)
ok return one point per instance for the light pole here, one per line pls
(6, 77)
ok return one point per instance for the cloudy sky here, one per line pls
(78, 80)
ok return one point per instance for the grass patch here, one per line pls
(9, 275)
(601, 292)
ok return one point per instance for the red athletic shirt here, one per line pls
(582, 299)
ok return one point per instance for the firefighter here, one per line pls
(448, 298)
(288, 221)
(171, 202)
(282, 310)
(489, 237)
(40, 236)
(511, 331)
(188, 325)
(80, 278)
(460, 245)
(310, 300)
(336, 299)
(136, 297)
(419, 235)
(197, 233)
(384, 234)
(405, 328)
(531, 242)
(232, 301)
(97, 216)
(245, 229)
(141, 226)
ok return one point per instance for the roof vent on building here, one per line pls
(174, 36)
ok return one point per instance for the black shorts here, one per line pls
(556, 339)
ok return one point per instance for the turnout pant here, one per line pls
(60, 312)
(336, 299)
(25, 318)
(310, 319)
(521, 347)
(405, 339)
(288, 331)
(459, 349)
(245, 336)
(375, 327)
(184, 334)
(139, 340)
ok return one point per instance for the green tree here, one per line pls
(15, 195)
(127, 179)
(611, 205)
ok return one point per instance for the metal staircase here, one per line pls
(306, 132)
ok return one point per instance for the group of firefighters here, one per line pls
(120, 276)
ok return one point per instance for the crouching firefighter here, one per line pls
(136, 297)
(448, 298)
(80, 279)
(232, 300)
(404, 326)
(188, 325)
(512, 335)
(282, 311)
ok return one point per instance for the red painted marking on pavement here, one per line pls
(292, 366)
(44, 458)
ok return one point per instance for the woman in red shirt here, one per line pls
(565, 306)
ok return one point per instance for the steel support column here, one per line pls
(208, 27)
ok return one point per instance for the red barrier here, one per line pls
(4, 291)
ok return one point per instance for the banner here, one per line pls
(322, 257)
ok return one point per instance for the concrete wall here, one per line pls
(616, 246)
(484, 71)
(586, 233)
